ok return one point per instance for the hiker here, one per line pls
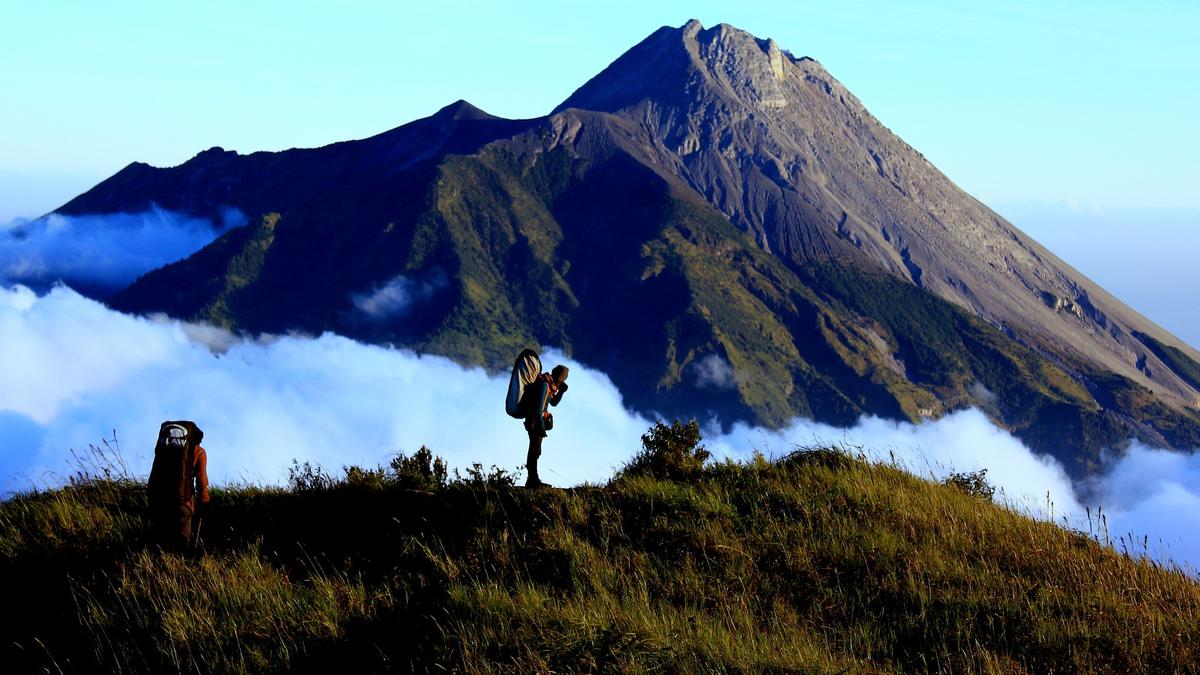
(546, 391)
(178, 488)
(530, 392)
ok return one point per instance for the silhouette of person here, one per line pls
(546, 391)
(178, 487)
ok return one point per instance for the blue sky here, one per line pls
(1017, 101)
(1091, 103)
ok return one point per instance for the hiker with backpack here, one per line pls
(530, 394)
(178, 488)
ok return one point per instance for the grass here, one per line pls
(818, 562)
(1179, 362)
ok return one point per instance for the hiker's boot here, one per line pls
(534, 481)
(531, 461)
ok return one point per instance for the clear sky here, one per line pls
(1016, 101)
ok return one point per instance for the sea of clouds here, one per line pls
(102, 253)
(73, 373)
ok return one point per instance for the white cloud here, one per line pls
(102, 253)
(1154, 493)
(962, 441)
(980, 394)
(714, 372)
(1146, 494)
(74, 371)
(396, 297)
(216, 339)
(62, 347)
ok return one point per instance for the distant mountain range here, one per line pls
(718, 225)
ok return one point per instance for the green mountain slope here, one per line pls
(520, 243)
(817, 563)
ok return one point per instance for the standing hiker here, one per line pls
(178, 488)
(548, 390)
(531, 392)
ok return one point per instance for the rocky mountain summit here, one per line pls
(720, 226)
(792, 157)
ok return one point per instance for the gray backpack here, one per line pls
(525, 370)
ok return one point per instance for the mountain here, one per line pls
(718, 225)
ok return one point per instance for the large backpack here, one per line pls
(174, 457)
(525, 370)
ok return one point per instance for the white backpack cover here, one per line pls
(525, 370)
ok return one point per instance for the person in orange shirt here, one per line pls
(178, 488)
(200, 497)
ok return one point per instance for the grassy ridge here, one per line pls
(1187, 369)
(820, 562)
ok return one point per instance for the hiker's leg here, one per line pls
(165, 524)
(531, 459)
(183, 532)
(162, 525)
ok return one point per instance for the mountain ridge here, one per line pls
(738, 205)
(724, 59)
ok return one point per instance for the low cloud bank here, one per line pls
(1150, 497)
(714, 372)
(395, 298)
(74, 371)
(102, 253)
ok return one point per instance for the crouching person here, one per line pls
(178, 488)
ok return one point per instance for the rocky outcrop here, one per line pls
(1059, 304)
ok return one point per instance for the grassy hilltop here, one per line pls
(819, 562)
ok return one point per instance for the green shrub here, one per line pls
(832, 457)
(973, 483)
(670, 452)
(367, 479)
(477, 478)
(422, 471)
(309, 477)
